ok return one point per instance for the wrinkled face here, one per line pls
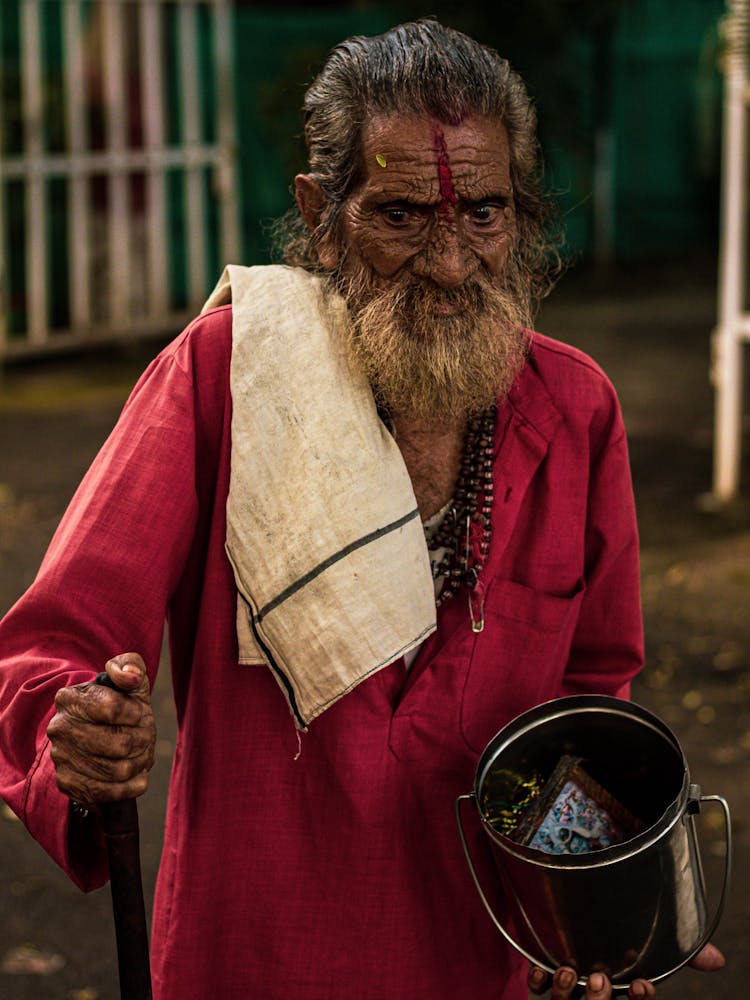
(436, 201)
(425, 266)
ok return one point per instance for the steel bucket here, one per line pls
(636, 909)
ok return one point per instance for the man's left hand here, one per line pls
(598, 986)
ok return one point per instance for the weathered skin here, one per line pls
(443, 205)
(102, 742)
(448, 198)
(441, 208)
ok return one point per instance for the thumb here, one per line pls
(709, 959)
(128, 672)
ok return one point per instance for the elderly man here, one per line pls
(382, 518)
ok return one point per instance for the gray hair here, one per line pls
(429, 69)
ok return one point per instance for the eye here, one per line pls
(396, 216)
(401, 215)
(486, 213)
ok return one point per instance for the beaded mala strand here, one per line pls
(467, 527)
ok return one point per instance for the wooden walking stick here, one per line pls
(120, 822)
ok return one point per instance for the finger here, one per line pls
(125, 743)
(89, 792)
(598, 987)
(537, 980)
(93, 729)
(72, 761)
(128, 672)
(564, 984)
(91, 703)
(112, 742)
(708, 959)
(641, 989)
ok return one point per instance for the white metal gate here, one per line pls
(144, 174)
(733, 329)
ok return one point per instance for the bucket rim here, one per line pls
(558, 708)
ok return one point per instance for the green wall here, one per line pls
(276, 56)
(645, 70)
(667, 116)
(657, 88)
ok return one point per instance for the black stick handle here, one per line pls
(121, 834)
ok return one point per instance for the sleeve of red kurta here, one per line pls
(607, 649)
(102, 589)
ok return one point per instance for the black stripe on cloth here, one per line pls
(336, 557)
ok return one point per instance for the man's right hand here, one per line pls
(102, 741)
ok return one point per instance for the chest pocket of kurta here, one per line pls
(518, 660)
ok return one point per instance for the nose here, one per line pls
(446, 260)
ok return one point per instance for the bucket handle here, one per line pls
(487, 905)
(693, 806)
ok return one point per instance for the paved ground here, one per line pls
(651, 334)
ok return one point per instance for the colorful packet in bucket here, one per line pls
(574, 814)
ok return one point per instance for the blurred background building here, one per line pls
(144, 143)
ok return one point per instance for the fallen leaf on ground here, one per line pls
(713, 819)
(28, 960)
(698, 645)
(657, 679)
(724, 755)
(729, 657)
(692, 700)
(706, 714)
(676, 575)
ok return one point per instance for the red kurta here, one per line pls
(338, 874)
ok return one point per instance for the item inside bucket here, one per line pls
(568, 813)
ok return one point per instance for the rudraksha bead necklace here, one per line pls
(466, 529)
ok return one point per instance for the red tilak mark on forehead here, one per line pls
(448, 197)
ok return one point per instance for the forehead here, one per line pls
(405, 156)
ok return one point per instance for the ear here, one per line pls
(314, 205)
(311, 200)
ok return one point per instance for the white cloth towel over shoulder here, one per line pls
(323, 530)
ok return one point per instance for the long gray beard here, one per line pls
(433, 367)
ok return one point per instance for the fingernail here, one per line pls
(639, 989)
(129, 668)
(596, 982)
(537, 976)
(566, 978)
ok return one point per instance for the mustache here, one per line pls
(422, 301)
(419, 293)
